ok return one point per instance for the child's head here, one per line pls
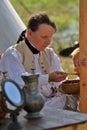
(75, 57)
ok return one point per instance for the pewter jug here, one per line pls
(34, 99)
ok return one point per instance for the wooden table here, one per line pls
(51, 119)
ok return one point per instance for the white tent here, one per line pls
(10, 25)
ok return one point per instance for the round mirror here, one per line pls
(13, 94)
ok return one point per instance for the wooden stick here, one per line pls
(72, 73)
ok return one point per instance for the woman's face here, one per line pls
(42, 37)
(76, 64)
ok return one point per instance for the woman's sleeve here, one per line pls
(12, 63)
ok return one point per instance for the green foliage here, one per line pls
(61, 11)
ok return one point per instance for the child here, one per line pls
(75, 57)
(72, 100)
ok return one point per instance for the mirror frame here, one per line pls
(21, 104)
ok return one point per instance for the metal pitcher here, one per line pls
(34, 99)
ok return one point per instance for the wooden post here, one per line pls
(83, 54)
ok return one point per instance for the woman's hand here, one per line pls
(57, 76)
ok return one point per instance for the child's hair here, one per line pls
(75, 52)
